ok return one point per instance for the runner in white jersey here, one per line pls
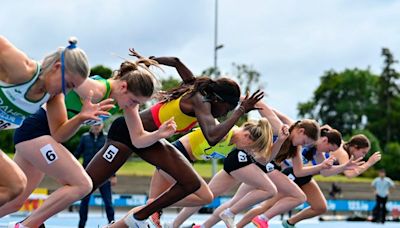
(25, 86)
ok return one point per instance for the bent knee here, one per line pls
(272, 191)
(320, 209)
(16, 188)
(85, 186)
(301, 197)
(191, 186)
(208, 197)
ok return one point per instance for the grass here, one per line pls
(142, 168)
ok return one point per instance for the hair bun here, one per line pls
(73, 40)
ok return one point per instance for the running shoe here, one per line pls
(260, 223)
(13, 225)
(130, 221)
(229, 220)
(287, 225)
(155, 219)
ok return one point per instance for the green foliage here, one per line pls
(248, 77)
(6, 141)
(211, 72)
(387, 111)
(169, 83)
(102, 71)
(343, 99)
(389, 160)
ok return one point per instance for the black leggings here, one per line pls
(161, 154)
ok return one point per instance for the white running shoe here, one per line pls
(131, 222)
(229, 220)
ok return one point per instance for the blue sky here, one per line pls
(291, 43)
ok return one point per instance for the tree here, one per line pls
(387, 111)
(392, 154)
(102, 71)
(211, 72)
(343, 99)
(169, 83)
(6, 139)
(247, 76)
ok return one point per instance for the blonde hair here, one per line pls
(311, 130)
(76, 61)
(262, 135)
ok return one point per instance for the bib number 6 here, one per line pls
(49, 153)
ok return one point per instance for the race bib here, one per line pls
(9, 122)
(213, 155)
(242, 156)
(110, 153)
(49, 153)
(269, 167)
(96, 122)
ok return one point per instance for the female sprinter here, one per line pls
(304, 133)
(330, 140)
(134, 84)
(24, 86)
(251, 136)
(196, 100)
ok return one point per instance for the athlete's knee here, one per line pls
(208, 197)
(191, 185)
(301, 197)
(271, 191)
(320, 209)
(85, 186)
(16, 187)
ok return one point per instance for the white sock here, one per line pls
(228, 212)
(263, 217)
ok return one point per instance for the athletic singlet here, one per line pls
(162, 112)
(201, 150)
(73, 102)
(304, 151)
(15, 106)
(314, 162)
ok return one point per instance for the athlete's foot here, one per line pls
(286, 224)
(259, 222)
(228, 218)
(155, 219)
(16, 225)
(130, 221)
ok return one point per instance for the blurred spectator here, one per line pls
(335, 192)
(381, 185)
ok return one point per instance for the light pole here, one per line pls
(216, 75)
(216, 45)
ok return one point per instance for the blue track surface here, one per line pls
(97, 219)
